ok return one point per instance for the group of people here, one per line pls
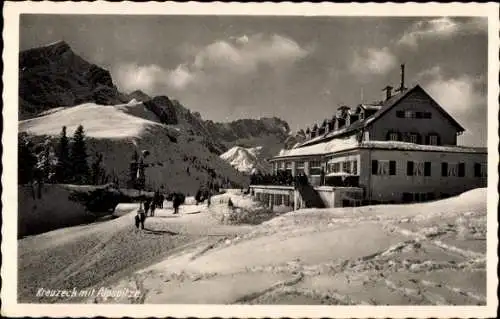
(149, 205)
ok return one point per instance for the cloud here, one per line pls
(373, 61)
(219, 63)
(441, 28)
(130, 77)
(460, 94)
(464, 97)
(243, 55)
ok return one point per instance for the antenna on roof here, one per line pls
(361, 95)
(402, 87)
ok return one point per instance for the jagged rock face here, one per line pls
(163, 108)
(54, 76)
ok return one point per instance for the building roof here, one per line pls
(381, 110)
(350, 143)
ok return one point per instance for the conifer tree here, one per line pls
(26, 159)
(97, 171)
(78, 157)
(63, 166)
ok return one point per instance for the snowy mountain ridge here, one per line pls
(246, 160)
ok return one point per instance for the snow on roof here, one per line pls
(396, 145)
(337, 145)
(331, 146)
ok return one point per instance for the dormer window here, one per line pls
(414, 138)
(409, 114)
(433, 139)
(393, 136)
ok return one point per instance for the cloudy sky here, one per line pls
(297, 68)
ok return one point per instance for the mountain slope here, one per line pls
(182, 162)
(247, 160)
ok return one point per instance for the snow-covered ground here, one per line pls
(429, 253)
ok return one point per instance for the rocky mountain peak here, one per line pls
(53, 75)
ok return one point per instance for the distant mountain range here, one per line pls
(57, 87)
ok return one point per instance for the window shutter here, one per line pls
(444, 169)
(392, 167)
(427, 169)
(409, 168)
(419, 139)
(374, 167)
(461, 169)
(477, 170)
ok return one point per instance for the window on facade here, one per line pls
(452, 169)
(374, 167)
(477, 170)
(345, 167)
(400, 114)
(433, 139)
(444, 169)
(461, 170)
(299, 168)
(315, 167)
(354, 166)
(427, 169)
(480, 170)
(418, 169)
(419, 115)
(392, 167)
(409, 114)
(380, 167)
(427, 115)
(392, 136)
(414, 138)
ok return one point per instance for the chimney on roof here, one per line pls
(388, 92)
(402, 87)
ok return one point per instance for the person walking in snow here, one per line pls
(147, 204)
(176, 203)
(209, 196)
(140, 218)
(153, 207)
